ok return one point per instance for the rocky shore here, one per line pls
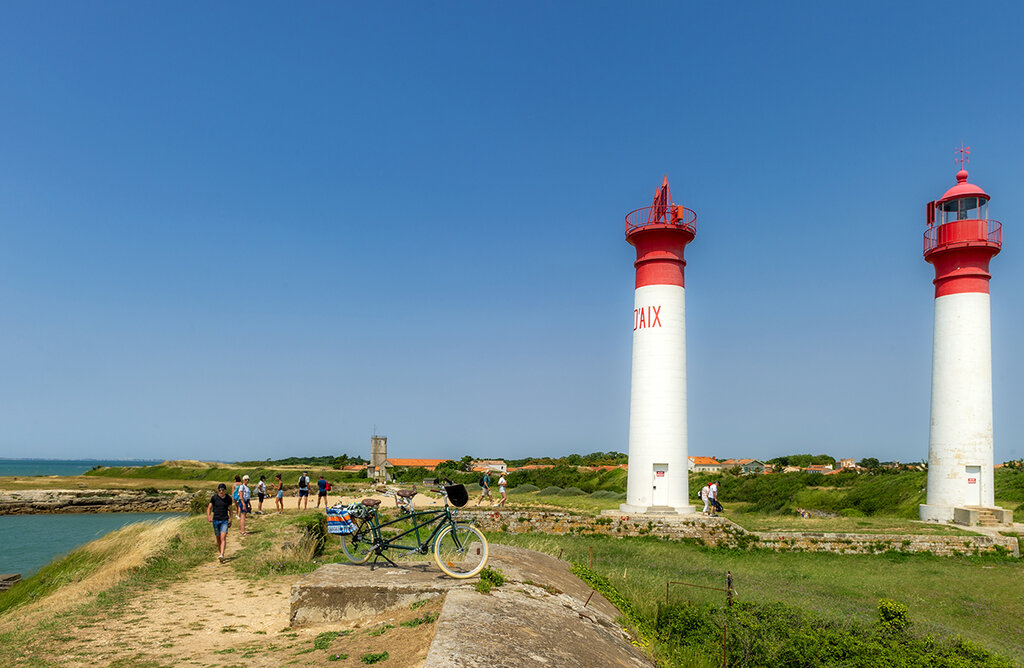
(42, 501)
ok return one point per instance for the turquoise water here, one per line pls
(29, 467)
(29, 542)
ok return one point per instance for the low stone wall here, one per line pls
(720, 532)
(38, 501)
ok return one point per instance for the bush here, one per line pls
(607, 494)
(549, 491)
(314, 528)
(571, 491)
(892, 615)
(851, 512)
(490, 577)
(523, 489)
(200, 500)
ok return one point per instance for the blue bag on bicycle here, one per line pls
(339, 521)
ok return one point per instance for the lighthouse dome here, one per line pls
(963, 189)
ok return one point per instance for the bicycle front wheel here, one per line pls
(358, 545)
(460, 550)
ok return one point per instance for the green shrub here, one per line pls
(892, 615)
(851, 512)
(549, 491)
(490, 577)
(523, 489)
(314, 528)
(197, 505)
(374, 657)
(571, 491)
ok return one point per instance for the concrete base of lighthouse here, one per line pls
(657, 510)
(966, 515)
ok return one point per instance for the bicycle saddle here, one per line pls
(371, 503)
(406, 493)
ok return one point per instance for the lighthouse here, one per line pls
(658, 478)
(959, 242)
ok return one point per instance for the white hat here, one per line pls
(245, 477)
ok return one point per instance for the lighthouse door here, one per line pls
(973, 495)
(659, 485)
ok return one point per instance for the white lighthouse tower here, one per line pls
(658, 478)
(959, 242)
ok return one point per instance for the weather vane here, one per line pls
(964, 158)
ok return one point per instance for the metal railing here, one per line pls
(658, 214)
(957, 233)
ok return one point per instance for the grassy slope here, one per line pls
(95, 581)
(976, 597)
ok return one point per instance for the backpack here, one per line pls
(234, 493)
(481, 483)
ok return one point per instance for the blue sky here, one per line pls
(250, 230)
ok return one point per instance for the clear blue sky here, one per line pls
(250, 230)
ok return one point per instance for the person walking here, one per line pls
(704, 491)
(303, 490)
(713, 498)
(234, 493)
(218, 513)
(502, 484)
(279, 498)
(261, 493)
(244, 507)
(485, 489)
(321, 491)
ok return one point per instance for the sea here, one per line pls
(29, 467)
(29, 542)
(32, 541)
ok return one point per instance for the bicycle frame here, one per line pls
(440, 518)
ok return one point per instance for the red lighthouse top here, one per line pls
(659, 233)
(961, 239)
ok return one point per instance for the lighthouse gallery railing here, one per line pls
(963, 233)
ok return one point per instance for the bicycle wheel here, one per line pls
(358, 545)
(460, 550)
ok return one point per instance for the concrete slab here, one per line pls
(542, 616)
(350, 592)
(518, 626)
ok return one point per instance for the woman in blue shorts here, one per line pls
(280, 494)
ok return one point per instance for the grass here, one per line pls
(871, 525)
(94, 582)
(975, 597)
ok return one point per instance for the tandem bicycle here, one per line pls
(460, 550)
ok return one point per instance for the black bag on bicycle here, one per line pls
(457, 495)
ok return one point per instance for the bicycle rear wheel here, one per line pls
(460, 550)
(358, 545)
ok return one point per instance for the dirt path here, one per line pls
(214, 617)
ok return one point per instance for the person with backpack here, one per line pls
(485, 489)
(303, 490)
(244, 507)
(704, 492)
(321, 493)
(234, 493)
(716, 507)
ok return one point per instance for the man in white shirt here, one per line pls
(713, 498)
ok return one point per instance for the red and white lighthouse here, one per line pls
(658, 478)
(959, 242)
